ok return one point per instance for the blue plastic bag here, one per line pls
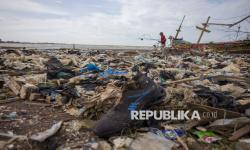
(109, 72)
(89, 67)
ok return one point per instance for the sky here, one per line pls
(118, 22)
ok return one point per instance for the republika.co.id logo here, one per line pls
(168, 115)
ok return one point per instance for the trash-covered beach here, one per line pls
(73, 99)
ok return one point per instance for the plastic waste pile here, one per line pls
(72, 100)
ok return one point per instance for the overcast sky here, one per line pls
(119, 22)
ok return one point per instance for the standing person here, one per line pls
(171, 38)
(163, 44)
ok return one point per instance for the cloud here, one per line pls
(28, 6)
(59, 2)
(134, 18)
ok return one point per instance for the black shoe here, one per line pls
(118, 118)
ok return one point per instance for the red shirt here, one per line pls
(163, 39)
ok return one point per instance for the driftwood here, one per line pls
(9, 135)
(239, 133)
(222, 113)
(9, 100)
(42, 136)
(231, 78)
(13, 85)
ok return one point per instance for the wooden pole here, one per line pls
(179, 29)
(204, 29)
(237, 34)
(230, 24)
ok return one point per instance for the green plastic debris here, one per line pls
(207, 136)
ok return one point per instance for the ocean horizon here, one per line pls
(43, 46)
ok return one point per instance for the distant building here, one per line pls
(1, 41)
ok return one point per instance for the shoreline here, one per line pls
(44, 46)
